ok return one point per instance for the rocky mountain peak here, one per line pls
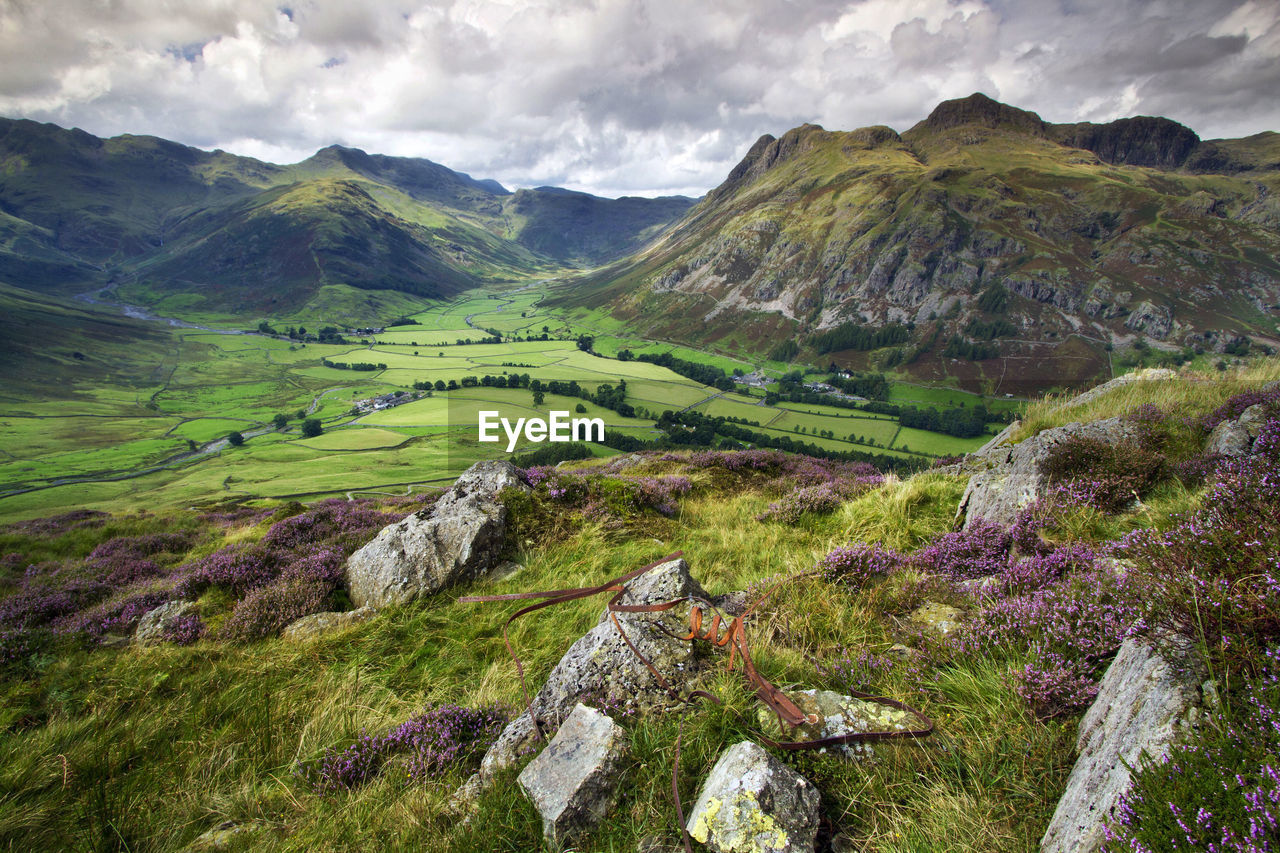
(1152, 141)
(983, 111)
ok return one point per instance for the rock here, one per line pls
(658, 844)
(938, 618)
(978, 587)
(310, 627)
(152, 625)
(600, 668)
(456, 539)
(838, 715)
(1235, 438)
(753, 802)
(1146, 700)
(1012, 478)
(574, 781)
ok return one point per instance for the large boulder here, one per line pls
(752, 803)
(602, 669)
(574, 781)
(1011, 476)
(1147, 699)
(457, 539)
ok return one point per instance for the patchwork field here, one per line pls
(155, 433)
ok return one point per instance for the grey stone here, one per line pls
(753, 803)
(310, 627)
(457, 539)
(601, 668)
(573, 783)
(1235, 438)
(1147, 699)
(152, 625)
(1012, 478)
(837, 715)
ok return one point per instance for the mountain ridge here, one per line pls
(816, 229)
(160, 219)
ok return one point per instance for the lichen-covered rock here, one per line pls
(152, 625)
(1146, 700)
(601, 668)
(936, 617)
(837, 715)
(753, 803)
(1011, 477)
(1235, 438)
(310, 627)
(458, 538)
(574, 781)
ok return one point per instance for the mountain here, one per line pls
(983, 242)
(171, 225)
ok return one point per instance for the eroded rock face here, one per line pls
(1146, 700)
(1012, 478)
(310, 627)
(457, 539)
(752, 803)
(600, 668)
(574, 781)
(152, 625)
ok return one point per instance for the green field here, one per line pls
(150, 431)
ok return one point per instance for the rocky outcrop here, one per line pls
(1146, 700)
(752, 803)
(154, 623)
(1012, 478)
(1235, 438)
(574, 781)
(602, 669)
(457, 539)
(310, 627)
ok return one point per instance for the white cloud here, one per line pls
(616, 96)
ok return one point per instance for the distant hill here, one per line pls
(210, 230)
(991, 242)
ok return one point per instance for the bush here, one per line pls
(235, 439)
(311, 427)
(856, 565)
(1114, 474)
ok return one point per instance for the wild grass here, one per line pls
(147, 748)
(1188, 395)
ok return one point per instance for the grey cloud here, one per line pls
(648, 96)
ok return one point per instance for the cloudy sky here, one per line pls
(645, 97)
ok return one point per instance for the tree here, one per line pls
(280, 421)
(580, 409)
(311, 427)
(537, 398)
(236, 439)
(300, 414)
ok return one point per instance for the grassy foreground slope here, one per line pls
(224, 723)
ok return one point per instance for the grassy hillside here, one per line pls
(1009, 246)
(226, 725)
(211, 231)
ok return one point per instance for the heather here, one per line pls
(438, 737)
(363, 736)
(101, 586)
